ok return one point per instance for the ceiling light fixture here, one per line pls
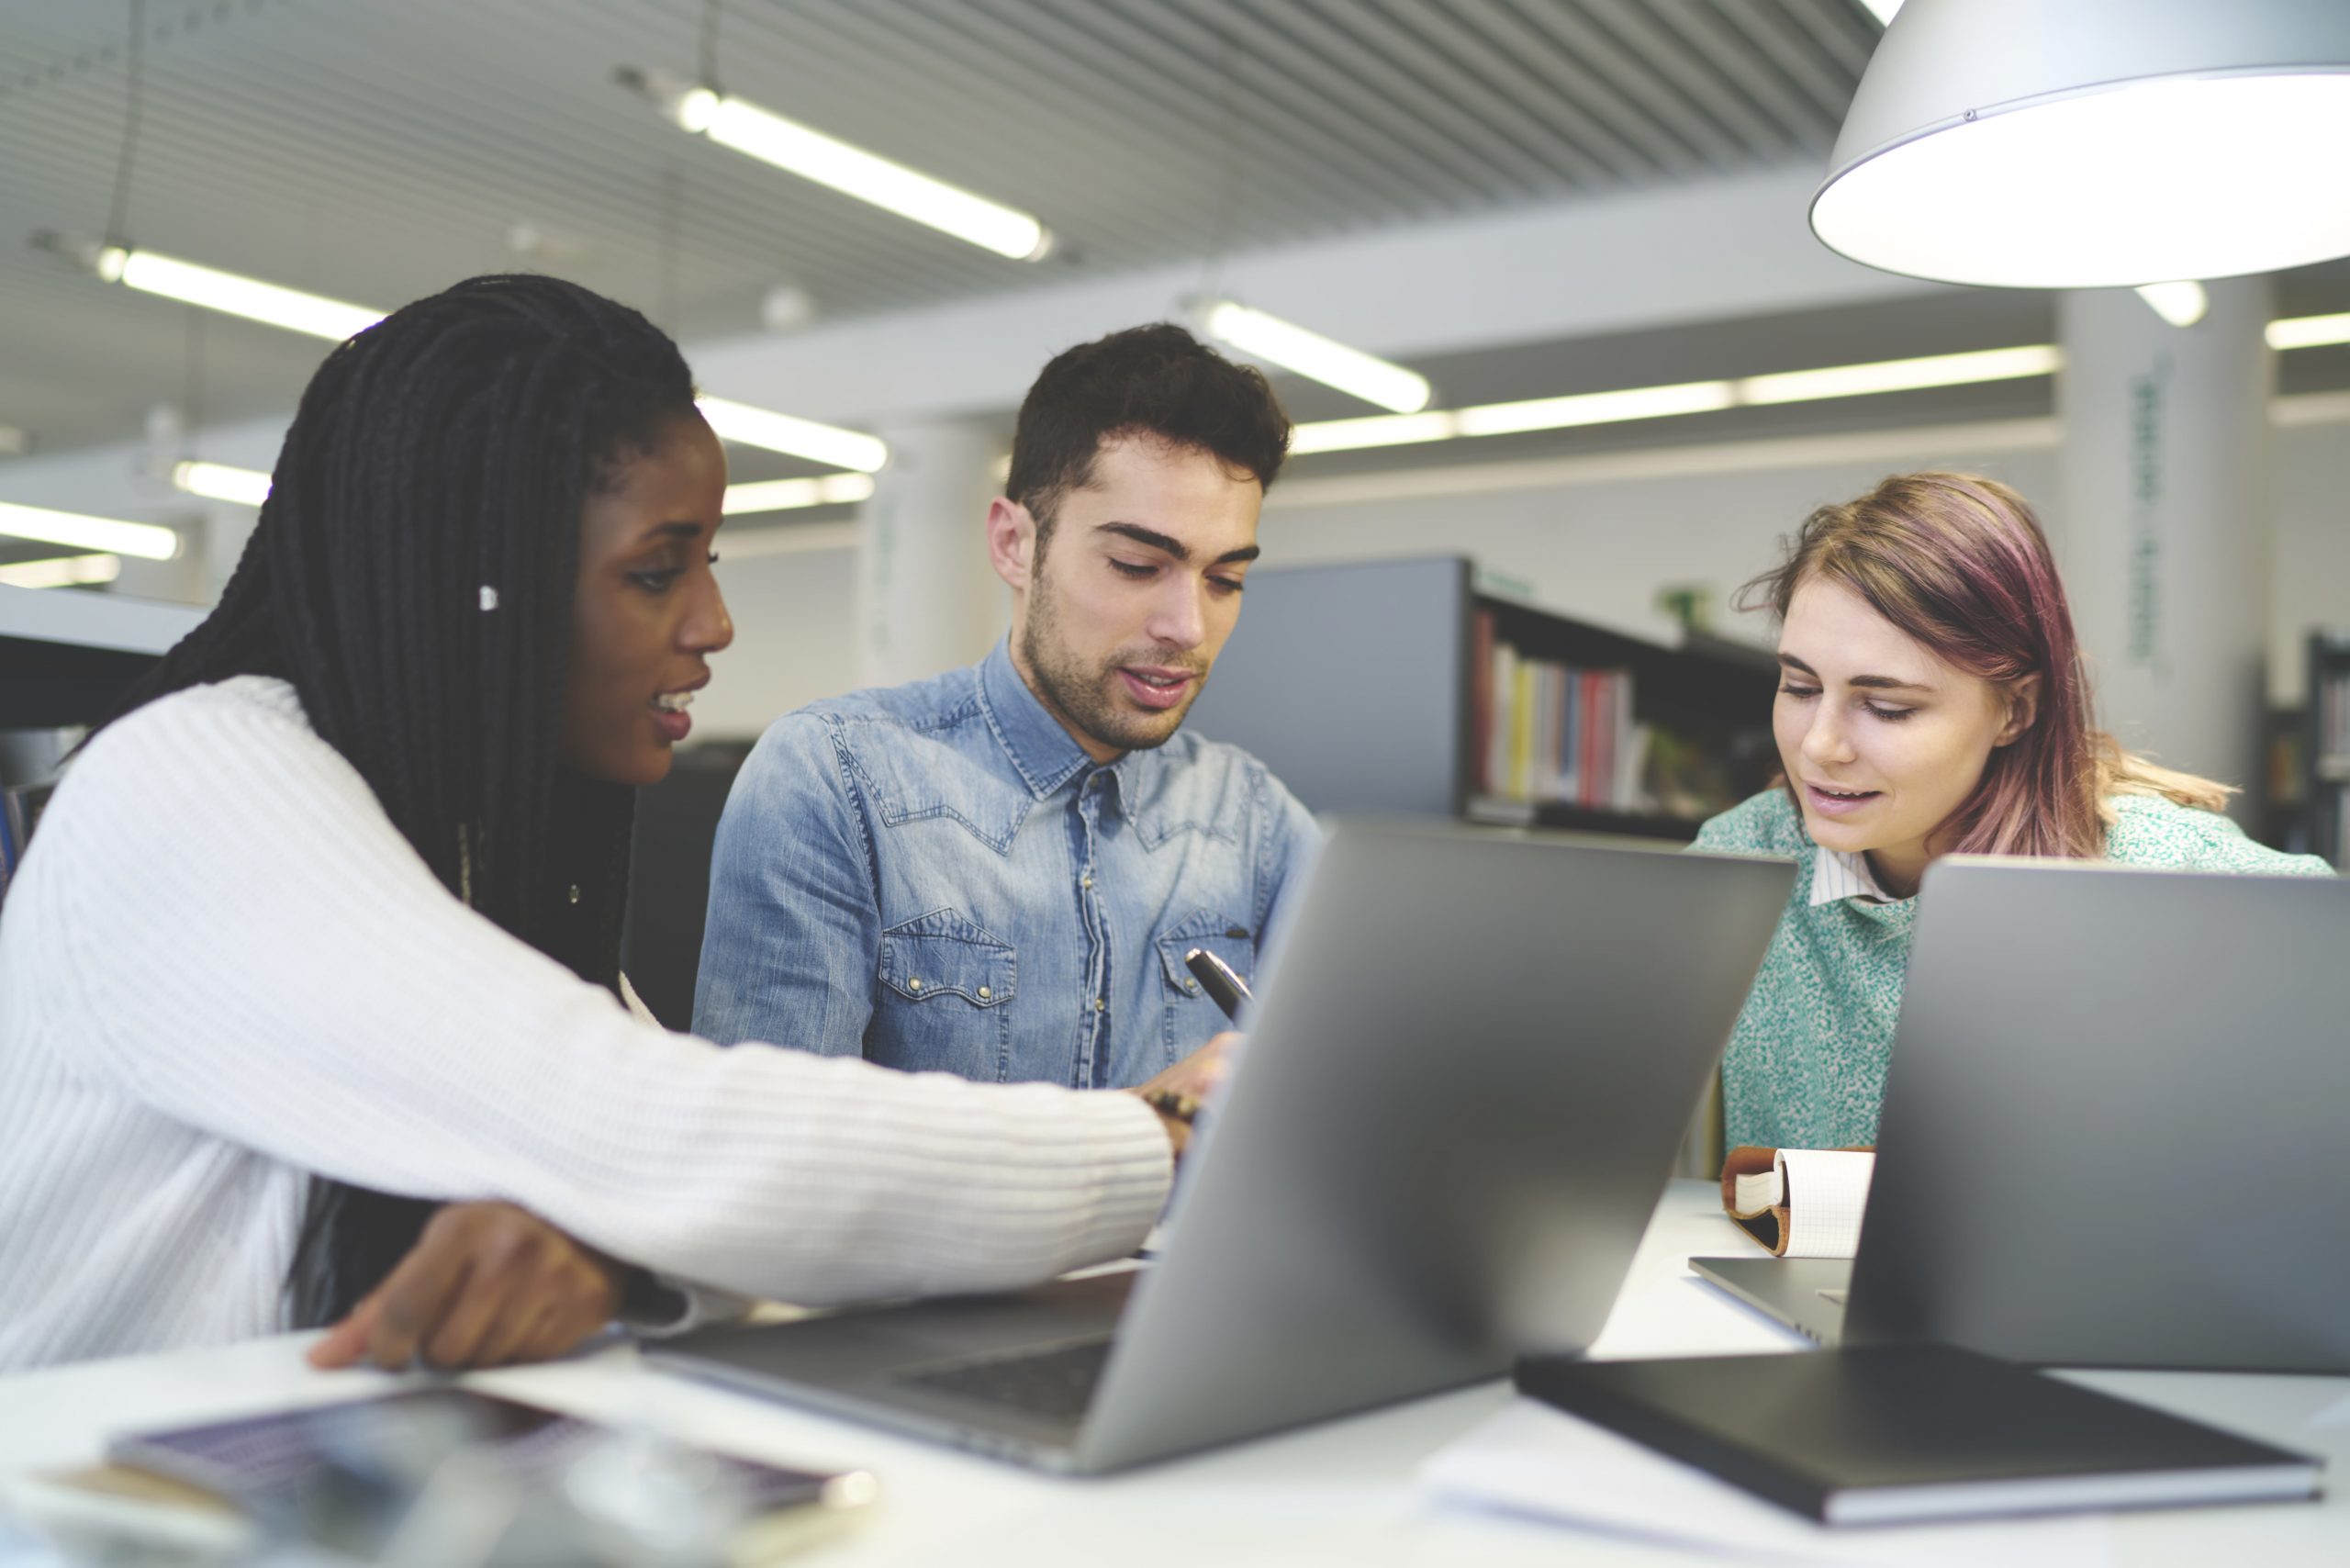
(76, 531)
(62, 571)
(797, 437)
(1596, 408)
(249, 486)
(151, 272)
(1309, 354)
(2095, 144)
(2180, 304)
(1902, 374)
(1376, 430)
(791, 495)
(218, 482)
(320, 316)
(1785, 387)
(2310, 331)
(1684, 398)
(699, 109)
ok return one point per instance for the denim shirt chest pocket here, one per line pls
(1190, 1014)
(941, 1004)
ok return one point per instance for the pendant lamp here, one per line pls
(2096, 143)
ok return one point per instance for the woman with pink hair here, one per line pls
(1931, 701)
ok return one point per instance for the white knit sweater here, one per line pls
(221, 968)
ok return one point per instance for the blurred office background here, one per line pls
(1518, 200)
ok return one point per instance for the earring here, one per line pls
(488, 599)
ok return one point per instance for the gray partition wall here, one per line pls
(1349, 681)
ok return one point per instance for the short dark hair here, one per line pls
(1158, 380)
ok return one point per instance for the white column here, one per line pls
(2162, 523)
(926, 598)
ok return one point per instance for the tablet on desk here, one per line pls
(351, 1476)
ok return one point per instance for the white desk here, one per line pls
(1342, 1492)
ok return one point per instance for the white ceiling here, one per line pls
(377, 149)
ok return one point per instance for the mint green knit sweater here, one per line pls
(1806, 1061)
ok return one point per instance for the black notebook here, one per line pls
(1893, 1434)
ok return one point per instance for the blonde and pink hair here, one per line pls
(1960, 563)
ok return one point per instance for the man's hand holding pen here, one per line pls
(1181, 1093)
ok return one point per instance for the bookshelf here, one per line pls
(1360, 685)
(2325, 748)
(66, 654)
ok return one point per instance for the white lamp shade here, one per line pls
(2097, 143)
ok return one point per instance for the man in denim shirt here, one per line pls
(997, 871)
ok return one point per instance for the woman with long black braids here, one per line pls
(322, 932)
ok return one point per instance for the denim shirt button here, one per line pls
(1098, 1003)
(914, 985)
(1088, 883)
(985, 994)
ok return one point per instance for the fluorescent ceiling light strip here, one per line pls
(1378, 430)
(1902, 374)
(217, 481)
(249, 486)
(791, 495)
(236, 295)
(800, 438)
(1702, 396)
(811, 154)
(1310, 355)
(77, 531)
(1596, 408)
(63, 571)
(2309, 331)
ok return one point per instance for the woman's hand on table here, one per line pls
(485, 1285)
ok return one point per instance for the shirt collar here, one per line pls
(1836, 875)
(1040, 751)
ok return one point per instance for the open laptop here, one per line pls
(2113, 1129)
(1462, 1095)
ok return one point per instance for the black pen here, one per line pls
(1216, 977)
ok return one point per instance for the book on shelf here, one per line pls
(1545, 731)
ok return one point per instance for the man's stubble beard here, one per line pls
(1088, 697)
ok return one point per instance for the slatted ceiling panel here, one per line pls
(1659, 46)
(1352, 71)
(1591, 67)
(1193, 129)
(1283, 104)
(1824, 90)
(1747, 74)
(1483, 59)
(956, 71)
(375, 150)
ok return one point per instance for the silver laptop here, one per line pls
(2112, 1130)
(1461, 1099)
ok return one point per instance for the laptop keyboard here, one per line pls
(1059, 1381)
